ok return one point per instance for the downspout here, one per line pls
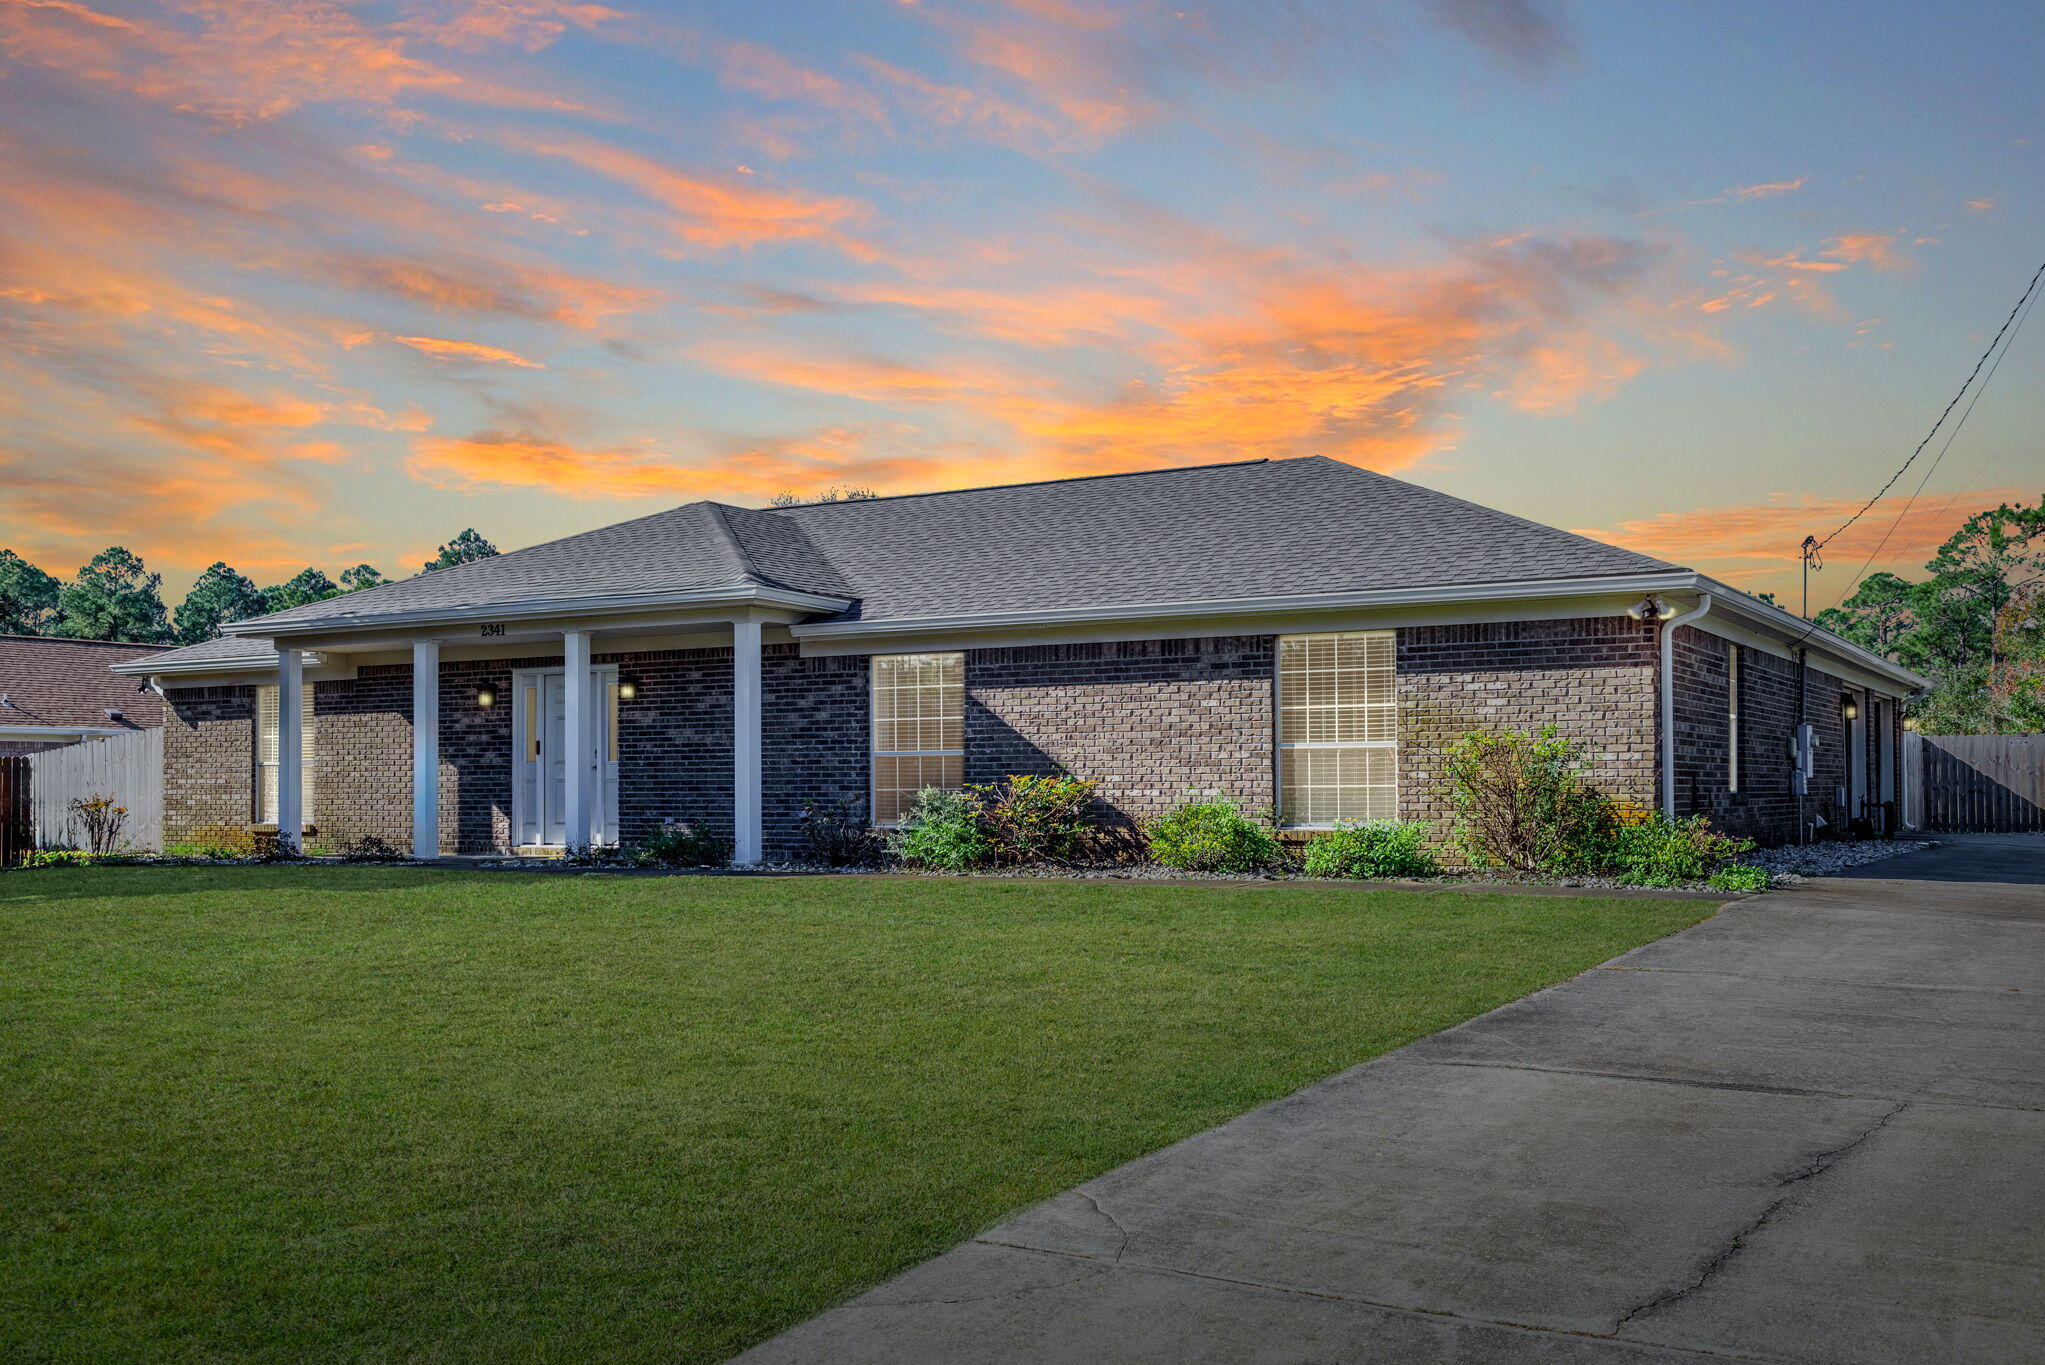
(1668, 681)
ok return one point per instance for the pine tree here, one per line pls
(28, 597)
(465, 548)
(308, 585)
(114, 597)
(220, 595)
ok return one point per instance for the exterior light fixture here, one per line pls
(486, 696)
(1910, 722)
(627, 689)
(1850, 709)
(1650, 608)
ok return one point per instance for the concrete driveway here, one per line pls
(1809, 1129)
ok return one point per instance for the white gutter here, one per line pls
(512, 611)
(60, 731)
(1245, 606)
(1668, 682)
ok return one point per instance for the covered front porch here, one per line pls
(541, 736)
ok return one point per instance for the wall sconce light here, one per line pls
(1650, 608)
(627, 689)
(1850, 709)
(1910, 722)
(486, 696)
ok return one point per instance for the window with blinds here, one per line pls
(1338, 728)
(266, 754)
(919, 729)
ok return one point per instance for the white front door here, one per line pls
(540, 779)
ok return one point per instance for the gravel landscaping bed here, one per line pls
(1793, 863)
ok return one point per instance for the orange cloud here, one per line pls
(1877, 249)
(1746, 541)
(712, 214)
(441, 348)
(728, 468)
(1981, 205)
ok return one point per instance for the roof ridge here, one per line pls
(720, 526)
(1027, 483)
(1509, 516)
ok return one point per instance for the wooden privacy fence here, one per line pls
(127, 767)
(1975, 784)
(17, 831)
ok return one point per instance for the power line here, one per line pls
(2025, 305)
(2029, 289)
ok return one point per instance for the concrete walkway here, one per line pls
(1809, 1129)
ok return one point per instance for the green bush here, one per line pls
(1032, 819)
(943, 830)
(1381, 848)
(1212, 836)
(682, 843)
(1521, 802)
(370, 849)
(837, 832)
(1739, 877)
(61, 857)
(1654, 850)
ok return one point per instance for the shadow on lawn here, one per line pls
(97, 883)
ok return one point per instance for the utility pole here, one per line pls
(1812, 561)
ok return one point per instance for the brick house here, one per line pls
(55, 692)
(1300, 634)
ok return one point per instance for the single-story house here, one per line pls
(55, 692)
(1300, 635)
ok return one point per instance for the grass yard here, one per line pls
(366, 1114)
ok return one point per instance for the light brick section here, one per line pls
(1150, 720)
(209, 760)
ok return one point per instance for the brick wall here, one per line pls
(1594, 679)
(817, 725)
(1765, 806)
(209, 757)
(1150, 720)
(362, 759)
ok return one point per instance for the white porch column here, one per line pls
(745, 741)
(425, 748)
(576, 739)
(290, 750)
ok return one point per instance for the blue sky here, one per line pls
(316, 282)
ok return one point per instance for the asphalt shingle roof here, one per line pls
(50, 681)
(253, 650)
(1213, 532)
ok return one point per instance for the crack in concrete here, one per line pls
(1750, 1087)
(1829, 980)
(1787, 1183)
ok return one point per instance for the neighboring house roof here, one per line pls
(1255, 529)
(226, 654)
(54, 683)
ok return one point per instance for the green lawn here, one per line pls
(363, 1114)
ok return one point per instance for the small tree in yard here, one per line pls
(1521, 801)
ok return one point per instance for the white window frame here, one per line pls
(266, 810)
(1283, 748)
(873, 719)
(1732, 717)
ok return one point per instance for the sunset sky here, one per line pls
(286, 282)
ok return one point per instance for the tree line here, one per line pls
(114, 596)
(1974, 624)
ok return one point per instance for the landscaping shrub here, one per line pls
(837, 832)
(370, 849)
(943, 830)
(218, 842)
(1035, 819)
(1658, 851)
(1381, 848)
(1212, 836)
(101, 819)
(682, 843)
(1739, 877)
(1522, 803)
(60, 857)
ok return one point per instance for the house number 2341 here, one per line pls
(493, 628)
